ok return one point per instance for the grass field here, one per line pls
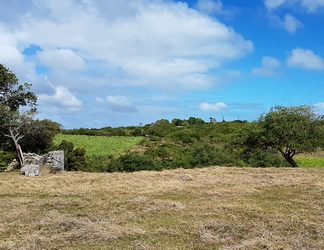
(209, 208)
(310, 162)
(101, 145)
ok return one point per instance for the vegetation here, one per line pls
(74, 158)
(310, 161)
(168, 145)
(209, 208)
(15, 123)
(18, 130)
(287, 130)
(100, 145)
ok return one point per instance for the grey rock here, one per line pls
(12, 166)
(30, 170)
(31, 158)
(55, 160)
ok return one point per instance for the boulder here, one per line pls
(31, 158)
(55, 160)
(30, 170)
(12, 166)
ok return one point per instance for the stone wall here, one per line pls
(33, 162)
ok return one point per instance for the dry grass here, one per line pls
(210, 208)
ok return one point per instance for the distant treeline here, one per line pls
(143, 130)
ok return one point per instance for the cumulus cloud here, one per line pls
(205, 106)
(99, 100)
(313, 5)
(273, 4)
(120, 104)
(319, 107)
(291, 23)
(210, 6)
(306, 59)
(268, 67)
(90, 46)
(61, 59)
(61, 97)
(156, 44)
(309, 5)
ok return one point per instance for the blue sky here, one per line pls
(96, 63)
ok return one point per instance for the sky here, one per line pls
(98, 63)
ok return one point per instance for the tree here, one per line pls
(196, 121)
(288, 130)
(15, 123)
(40, 137)
(15, 126)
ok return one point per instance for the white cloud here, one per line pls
(158, 39)
(291, 24)
(61, 59)
(61, 97)
(120, 104)
(99, 100)
(210, 6)
(205, 106)
(313, 5)
(306, 59)
(319, 107)
(125, 46)
(269, 65)
(273, 4)
(309, 5)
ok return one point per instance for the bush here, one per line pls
(5, 159)
(262, 158)
(133, 162)
(98, 163)
(209, 155)
(74, 158)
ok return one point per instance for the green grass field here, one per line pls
(310, 162)
(100, 145)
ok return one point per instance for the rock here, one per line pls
(30, 170)
(31, 158)
(12, 166)
(55, 160)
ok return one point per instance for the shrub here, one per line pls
(262, 158)
(133, 162)
(208, 155)
(5, 159)
(98, 163)
(74, 158)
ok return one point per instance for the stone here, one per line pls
(30, 170)
(31, 158)
(12, 166)
(55, 160)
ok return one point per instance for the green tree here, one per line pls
(41, 135)
(13, 96)
(288, 130)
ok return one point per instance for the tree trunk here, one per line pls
(18, 149)
(20, 155)
(291, 161)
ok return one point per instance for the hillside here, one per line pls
(208, 208)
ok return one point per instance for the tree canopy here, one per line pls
(15, 123)
(288, 130)
(14, 95)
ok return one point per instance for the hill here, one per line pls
(207, 208)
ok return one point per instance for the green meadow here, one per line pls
(100, 145)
